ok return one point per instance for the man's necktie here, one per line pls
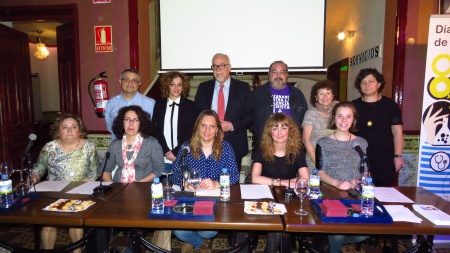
(171, 123)
(221, 104)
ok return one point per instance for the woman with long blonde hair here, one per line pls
(209, 153)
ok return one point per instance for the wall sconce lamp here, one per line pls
(348, 34)
(41, 52)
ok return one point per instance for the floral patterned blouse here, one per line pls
(76, 165)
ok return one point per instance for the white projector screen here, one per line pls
(253, 33)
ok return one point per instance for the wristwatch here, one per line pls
(398, 156)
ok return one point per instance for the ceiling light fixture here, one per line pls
(41, 52)
(348, 34)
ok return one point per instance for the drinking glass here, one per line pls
(167, 189)
(22, 188)
(301, 189)
(194, 179)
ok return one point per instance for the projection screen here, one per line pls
(253, 33)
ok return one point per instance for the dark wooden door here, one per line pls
(69, 94)
(338, 73)
(16, 112)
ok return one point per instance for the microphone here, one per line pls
(185, 151)
(32, 138)
(101, 189)
(26, 160)
(358, 149)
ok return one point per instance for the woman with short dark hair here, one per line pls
(380, 123)
(69, 157)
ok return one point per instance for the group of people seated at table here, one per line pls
(144, 147)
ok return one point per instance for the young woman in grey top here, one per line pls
(336, 159)
(338, 162)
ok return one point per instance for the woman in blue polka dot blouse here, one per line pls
(209, 153)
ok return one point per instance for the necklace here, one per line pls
(334, 134)
(67, 149)
(378, 98)
(328, 109)
(369, 122)
(370, 105)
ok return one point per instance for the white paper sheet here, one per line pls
(389, 194)
(433, 214)
(87, 188)
(401, 213)
(200, 192)
(51, 186)
(255, 191)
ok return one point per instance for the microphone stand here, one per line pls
(183, 173)
(29, 169)
(101, 189)
(184, 176)
(289, 190)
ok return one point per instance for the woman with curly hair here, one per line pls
(315, 123)
(174, 115)
(279, 159)
(69, 157)
(139, 156)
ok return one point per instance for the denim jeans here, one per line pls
(194, 237)
(336, 241)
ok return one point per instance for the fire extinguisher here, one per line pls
(101, 94)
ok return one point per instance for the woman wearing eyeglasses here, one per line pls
(139, 156)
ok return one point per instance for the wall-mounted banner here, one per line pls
(367, 55)
(103, 39)
(434, 159)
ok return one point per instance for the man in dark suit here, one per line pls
(226, 96)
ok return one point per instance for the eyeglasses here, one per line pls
(221, 66)
(131, 121)
(133, 81)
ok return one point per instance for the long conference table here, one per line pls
(33, 214)
(128, 205)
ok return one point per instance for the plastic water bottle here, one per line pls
(157, 197)
(224, 185)
(6, 191)
(4, 169)
(368, 198)
(363, 174)
(314, 183)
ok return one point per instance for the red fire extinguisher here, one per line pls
(101, 94)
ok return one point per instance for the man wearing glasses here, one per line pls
(130, 81)
(226, 96)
